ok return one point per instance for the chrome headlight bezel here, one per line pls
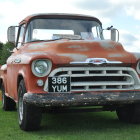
(47, 67)
(138, 67)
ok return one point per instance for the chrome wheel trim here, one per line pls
(20, 107)
(3, 101)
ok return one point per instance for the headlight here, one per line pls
(41, 67)
(138, 67)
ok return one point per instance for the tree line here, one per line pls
(5, 51)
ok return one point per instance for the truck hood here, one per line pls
(66, 51)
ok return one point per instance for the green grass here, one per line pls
(70, 126)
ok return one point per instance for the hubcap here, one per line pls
(20, 107)
(3, 98)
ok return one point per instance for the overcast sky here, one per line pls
(122, 14)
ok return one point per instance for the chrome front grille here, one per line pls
(98, 78)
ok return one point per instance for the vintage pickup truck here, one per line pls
(62, 61)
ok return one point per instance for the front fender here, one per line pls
(26, 58)
(3, 76)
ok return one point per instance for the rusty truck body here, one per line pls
(63, 60)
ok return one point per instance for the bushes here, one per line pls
(5, 51)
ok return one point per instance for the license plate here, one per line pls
(59, 84)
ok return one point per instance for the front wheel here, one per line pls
(129, 113)
(29, 115)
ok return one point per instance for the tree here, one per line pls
(1, 45)
(5, 52)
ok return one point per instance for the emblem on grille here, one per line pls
(97, 61)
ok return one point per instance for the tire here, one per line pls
(7, 103)
(29, 116)
(129, 113)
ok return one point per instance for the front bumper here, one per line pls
(82, 99)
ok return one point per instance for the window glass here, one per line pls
(45, 34)
(21, 34)
(47, 29)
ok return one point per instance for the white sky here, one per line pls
(123, 14)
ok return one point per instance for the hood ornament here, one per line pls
(97, 61)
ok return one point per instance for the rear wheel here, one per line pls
(129, 113)
(29, 115)
(7, 103)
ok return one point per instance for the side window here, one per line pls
(21, 34)
(28, 34)
(94, 31)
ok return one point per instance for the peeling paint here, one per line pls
(35, 46)
(75, 57)
(106, 45)
(79, 48)
(116, 55)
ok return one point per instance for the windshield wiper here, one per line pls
(38, 40)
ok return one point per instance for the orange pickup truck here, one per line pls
(63, 61)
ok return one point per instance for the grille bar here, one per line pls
(85, 75)
(98, 78)
(99, 83)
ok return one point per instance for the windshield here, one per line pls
(51, 29)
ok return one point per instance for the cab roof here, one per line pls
(62, 15)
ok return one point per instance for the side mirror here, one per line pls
(111, 33)
(11, 34)
(114, 35)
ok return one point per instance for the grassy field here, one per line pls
(67, 126)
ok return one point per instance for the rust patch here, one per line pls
(83, 99)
